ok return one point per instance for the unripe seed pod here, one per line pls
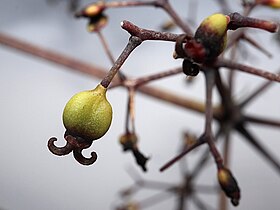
(212, 34)
(88, 114)
(229, 185)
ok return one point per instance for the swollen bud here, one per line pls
(212, 34)
(229, 185)
(88, 114)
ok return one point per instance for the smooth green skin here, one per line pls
(88, 114)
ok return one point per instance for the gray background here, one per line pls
(33, 93)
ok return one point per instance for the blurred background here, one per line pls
(34, 92)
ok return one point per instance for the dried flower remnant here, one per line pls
(129, 143)
(229, 185)
(94, 12)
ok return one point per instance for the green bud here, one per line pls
(88, 114)
(212, 34)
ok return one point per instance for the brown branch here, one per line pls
(258, 146)
(145, 34)
(248, 69)
(131, 45)
(97, 72)
(261, 121)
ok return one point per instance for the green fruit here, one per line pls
(88, 114)
(212, 34)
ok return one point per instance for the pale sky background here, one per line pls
(34, 92)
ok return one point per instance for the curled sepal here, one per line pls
(84, 160)
(229, 185)
(75, 145)
(59, 150)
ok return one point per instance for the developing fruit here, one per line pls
(229, 185)
(88, 114)
(212, 34)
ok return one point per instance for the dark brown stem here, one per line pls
(106, 47)
(109, 53)
(261, 121)
(248, 69)
(132, 44)
(144, 80)
(239, 21)
(259, 147)
(256, 93)
(83, 67)
(145, 34)
(210, 81)
(174, 15)
(200, 141)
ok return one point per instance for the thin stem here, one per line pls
(258, 146)
(210, 81)
(200, 141)
(261, 121)
(146, 79)
(108, 52)
(248, 69)
(223, 202)
(148, 202)
(224, 92)
(98, 72)
(203, 160)
(224, 5)
(256, 45)
(131, 105)
(232, 74)
(256, 93)
(105, 46)
(239, 21)
(174, 15)
(131, 45)
(145, 34)
(118, 4)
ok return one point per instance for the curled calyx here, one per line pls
(129, 143)
(87, 117)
